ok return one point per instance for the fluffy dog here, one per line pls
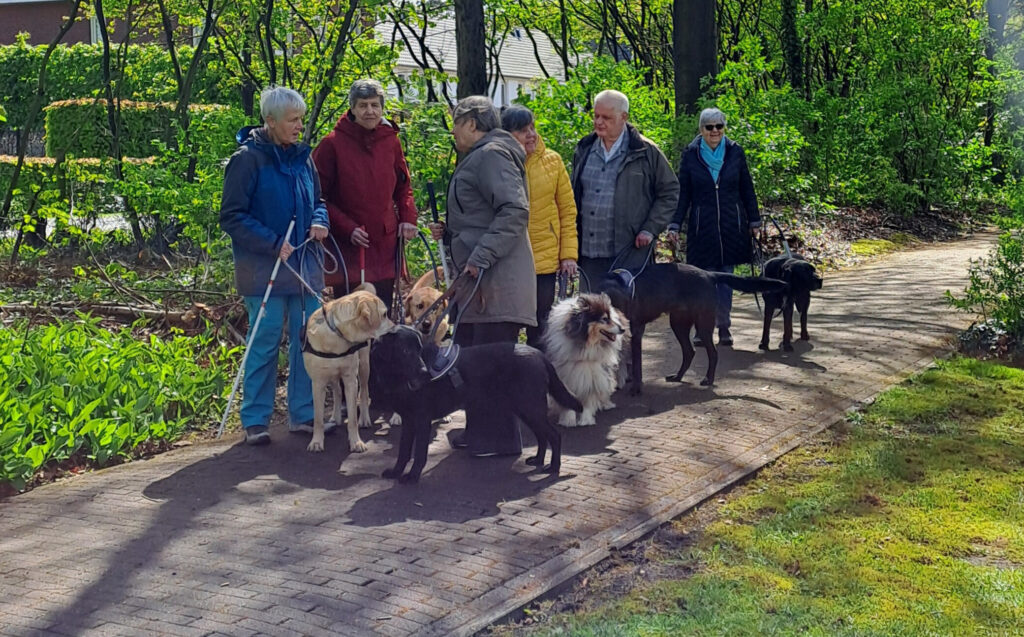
(802, 279)
(583, 340)
(684, 292)
(336, 352)
(484, 379)
(421, 296)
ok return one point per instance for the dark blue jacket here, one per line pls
(266, 185)
(718, 217)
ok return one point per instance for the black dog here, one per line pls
(802, 279)
(485, 378)
(687, 294)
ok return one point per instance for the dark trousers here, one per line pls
(492, 432)
(545, 299)
(385, 290)
(594, 269)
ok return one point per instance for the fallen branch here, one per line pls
(189, 318)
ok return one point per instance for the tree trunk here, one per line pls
(791, 45)
(694, 48)
(472, 48)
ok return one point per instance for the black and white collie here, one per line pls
(583, 340)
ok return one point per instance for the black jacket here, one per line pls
(718, 217)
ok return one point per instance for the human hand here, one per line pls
(673, 236)
(436, 231)
(644, 239)
(567, 266)
(286, 251)
(472, 270)
(407, 230)
(318, 233)
(360, 238)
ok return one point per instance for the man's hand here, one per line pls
(407, 230)
(318, 233)
(286, 251)
(644, 239)
(360, 238)
(472, 271)
(436, 231)
(567, 266)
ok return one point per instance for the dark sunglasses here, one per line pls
(711, 127)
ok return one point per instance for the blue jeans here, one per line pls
(722, 320)
(261, 366)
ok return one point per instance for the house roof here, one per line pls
(516, 58)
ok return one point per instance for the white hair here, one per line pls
(711, 116)
(276, 100)
(615, 99)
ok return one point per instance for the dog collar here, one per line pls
(307, 348)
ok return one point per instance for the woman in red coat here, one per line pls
(366, 185)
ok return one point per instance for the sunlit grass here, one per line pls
(909, 520)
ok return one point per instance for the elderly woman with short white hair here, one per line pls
(269, 182)
(718, 205)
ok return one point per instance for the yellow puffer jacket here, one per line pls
(552, 210)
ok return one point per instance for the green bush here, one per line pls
(78, 388)
(81, 127)
(144, 73)
(995, 288)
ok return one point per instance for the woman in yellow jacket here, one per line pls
(552, 213)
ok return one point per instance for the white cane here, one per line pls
(252, 332)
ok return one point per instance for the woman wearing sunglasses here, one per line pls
(719, 207)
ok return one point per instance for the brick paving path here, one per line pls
(224, 539)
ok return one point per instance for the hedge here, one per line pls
(80, 127)
(76, 71)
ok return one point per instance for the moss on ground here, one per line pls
(875, 247)
(907, 520)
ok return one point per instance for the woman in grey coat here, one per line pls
(488, 215)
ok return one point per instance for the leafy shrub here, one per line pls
(995, 288)
(77, 387)
(143, 73)
(80, 127)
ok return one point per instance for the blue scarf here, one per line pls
(713, 158)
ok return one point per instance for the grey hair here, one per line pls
(711, 116)
(276, 100)
(516, 118)
(615, 99)
(480, 109)
(365, 90)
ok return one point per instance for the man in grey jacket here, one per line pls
(626, 191)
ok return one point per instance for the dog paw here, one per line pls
(384, 430)
(568, 420)
(788, 347)
(606, 405)
(364, 421)
(674, 378)
(763, 346)
(396, 420)
(391, 474)
(315, 445)
(804, 336)
(707, 382)
(587, 420)
(636, 390)
(357, 446)
(534, 460)
(409, 478)
(553, 470)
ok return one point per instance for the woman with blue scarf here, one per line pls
(719, 207)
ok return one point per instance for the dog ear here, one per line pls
(345, 309)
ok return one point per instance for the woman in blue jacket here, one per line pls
(718, 204)
(269, 181)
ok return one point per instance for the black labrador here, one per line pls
(684, 292)
(802, 279)
(484, 378)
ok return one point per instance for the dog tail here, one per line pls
(365, 287)
(750, 283)
(558, 390)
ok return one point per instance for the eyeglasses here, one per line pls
(711, 127)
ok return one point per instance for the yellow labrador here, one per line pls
(337, 353)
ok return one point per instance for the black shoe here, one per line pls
(458, 440)
(257, 435)
(724, 337)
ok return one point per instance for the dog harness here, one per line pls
(307, 348)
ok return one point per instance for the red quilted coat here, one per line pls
(365, 182)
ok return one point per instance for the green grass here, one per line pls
(908, 520)
(875, 247)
